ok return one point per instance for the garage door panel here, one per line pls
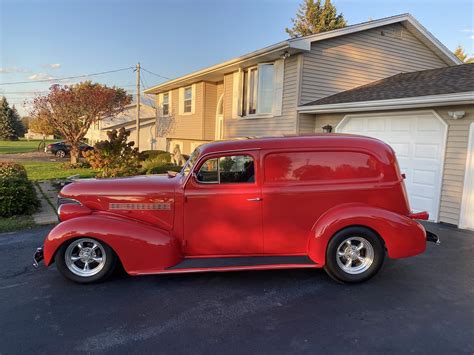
(418, 141)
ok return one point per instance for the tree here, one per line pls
(462, 55)
(312, 17)
(7, 121)
(73, 109)
(17, 123)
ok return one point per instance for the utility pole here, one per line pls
(137, 124)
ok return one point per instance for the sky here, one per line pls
(50, 39)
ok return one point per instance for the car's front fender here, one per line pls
(402, 235)
(140, 247)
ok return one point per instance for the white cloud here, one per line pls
(11, 70)
(472, 37)
(41, 76)
(52, 66)
(468, 30)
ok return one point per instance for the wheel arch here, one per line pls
(401, 236)
(139, 247)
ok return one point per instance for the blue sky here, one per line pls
(44, 39)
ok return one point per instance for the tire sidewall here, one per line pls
(106, 271)
(332, 267)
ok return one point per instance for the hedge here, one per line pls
(17, 194)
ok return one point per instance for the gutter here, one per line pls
(409, 102)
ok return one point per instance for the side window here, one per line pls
(227, 170)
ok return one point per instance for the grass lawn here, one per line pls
(21, 146)
(16, 223)
(53, 170)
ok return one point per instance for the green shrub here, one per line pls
(150, 154)
(163, 169)
(17, 194)
(11, 169)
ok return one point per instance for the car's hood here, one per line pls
(148, 198)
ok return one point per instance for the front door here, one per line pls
(220, 119)
(223, 209)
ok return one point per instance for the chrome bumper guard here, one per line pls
(37, 257)
(431, 237)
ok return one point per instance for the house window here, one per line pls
(257, 91)
(227, 170)
(188, 99)
(166, 104)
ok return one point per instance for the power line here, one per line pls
(158, 75)
(66, 78)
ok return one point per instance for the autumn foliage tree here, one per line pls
(72, 109)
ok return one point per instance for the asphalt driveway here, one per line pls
(423, 304)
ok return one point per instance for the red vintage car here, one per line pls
(330, 201)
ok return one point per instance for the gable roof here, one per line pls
(448, 80)
(127, 116)
(300, 44)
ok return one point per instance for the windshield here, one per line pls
(188, 167)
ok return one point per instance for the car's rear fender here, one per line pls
(141, 248)
(401, 235)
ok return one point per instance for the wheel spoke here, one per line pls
(94, 247)
(361, 259)
(348, 262)
(97, 259)
(340, 253)
(360, 246)
(79, 245)
(75, 258)
(86, 266)
(348, 243)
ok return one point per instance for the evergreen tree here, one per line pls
(17, 123)
(7, 130)
(312, 17)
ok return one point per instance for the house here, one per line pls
(277, 91)
(127, 119)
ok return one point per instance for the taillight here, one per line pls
(49, 146)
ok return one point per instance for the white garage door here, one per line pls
(418, 139)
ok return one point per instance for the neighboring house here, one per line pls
(33, 135)
(265, 93)
(127, 118)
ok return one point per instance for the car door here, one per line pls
(222, 209)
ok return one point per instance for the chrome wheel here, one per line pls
(355, 255)
(85, 257)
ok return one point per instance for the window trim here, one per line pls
(204, 159)
(190, 87)
(245, 92)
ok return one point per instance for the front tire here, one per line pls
(354, 254)
(85, 260)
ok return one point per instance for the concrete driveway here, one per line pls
(423, 304)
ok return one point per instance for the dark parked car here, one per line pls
(61, 149)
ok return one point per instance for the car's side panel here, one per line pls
(140, 247)
(402, 236)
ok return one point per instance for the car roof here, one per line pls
(325, 140)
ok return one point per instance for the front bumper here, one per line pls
(431, 237)
(37, 257)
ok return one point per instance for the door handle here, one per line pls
(255, 199)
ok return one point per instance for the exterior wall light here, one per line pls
(327, 128)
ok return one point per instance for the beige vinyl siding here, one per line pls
(188, 126)
(454, 162)
(210, 106)
(306, 124)
(342, 63)
(267, 126)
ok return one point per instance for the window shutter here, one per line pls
(237, 94)
(170, 103)
(159, 101)
(193, 101)
(181, 101)
(279, 68)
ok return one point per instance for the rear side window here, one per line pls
(227, 170)
(320, 166)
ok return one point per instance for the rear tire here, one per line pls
(60, 154)
(85, 260)
(354, 254)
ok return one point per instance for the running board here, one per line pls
(244, 262)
